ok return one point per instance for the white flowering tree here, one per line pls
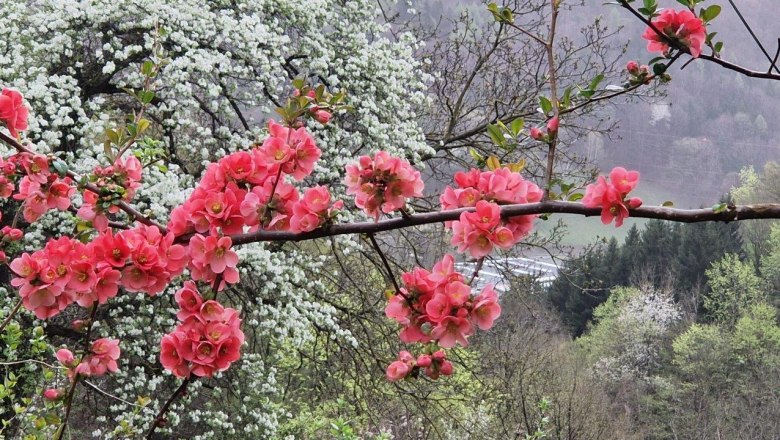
(139, 160)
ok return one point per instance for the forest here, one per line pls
(389, 219)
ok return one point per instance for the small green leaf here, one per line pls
(516, 126)
(720, 207)
(595, 82)
(478, 157)
(493, 163)
(495, 134)
(147, 68)
(667, 203)
(545, 104)
(710, 13)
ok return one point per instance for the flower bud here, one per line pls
(536, 133)
(632, 67)
(424, 361)
(322, 116)
(446, 368)
(52, 394)
(439, 356)
(552, 125)
(634, 202)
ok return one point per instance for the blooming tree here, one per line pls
(275, 182)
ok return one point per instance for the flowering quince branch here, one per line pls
(661, 38)
(251, 196)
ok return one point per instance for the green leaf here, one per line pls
(718, 46)
(545, 104)
(667, 203)
(576, 197)
(720, 207)
(493, 163)
(61, 167)
(710, 13)
(595, 82)
(495, 134)
(147, 68)
(516, 126)
(145, 96)
(659, 69)
(478, 157)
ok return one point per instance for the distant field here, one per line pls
(585, 230)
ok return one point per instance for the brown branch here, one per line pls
(10, 315)
(735, 213)
(132, 212)
(76, 377)
(159, 419)
(550, 48)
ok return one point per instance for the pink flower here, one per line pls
(13, 111)
(292, 149)
(486, 309)
(103, 357)
(624, 181)
(452, 330)
(611, 195)
(383, 183)
(65, 357)
(52, 394)
(681, 26)
(397, 371)
(536, 134)
(632, 67)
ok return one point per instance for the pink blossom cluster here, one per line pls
(439, 306)
(208, 338)
(117, 182)
(67, 271)
(433, 365)
(13, 111)
(478, 232)
(381, 184)
(639, 74)
(682, 26)
(610, 195)
(39, 188)
(8, 235)
(248, 189)
(101, 359)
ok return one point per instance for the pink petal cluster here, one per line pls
(681, 26)
(433, 365)
(101, 359)
(381, 184)
(13, 111)
(67, 271)
(313, 209)
(208, 338)
(211, 257)
(118, 182)
(439, 306)
(478, 232)
(39, 189)
(247, 189)
(610, 195)
(291, 149)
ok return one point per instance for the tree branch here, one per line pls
(158, 419)
(733, 213)
(132, 212)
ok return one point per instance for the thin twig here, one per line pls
(385, 263)
(160, 417)
(11, 315)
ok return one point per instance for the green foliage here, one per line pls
(734, 286)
